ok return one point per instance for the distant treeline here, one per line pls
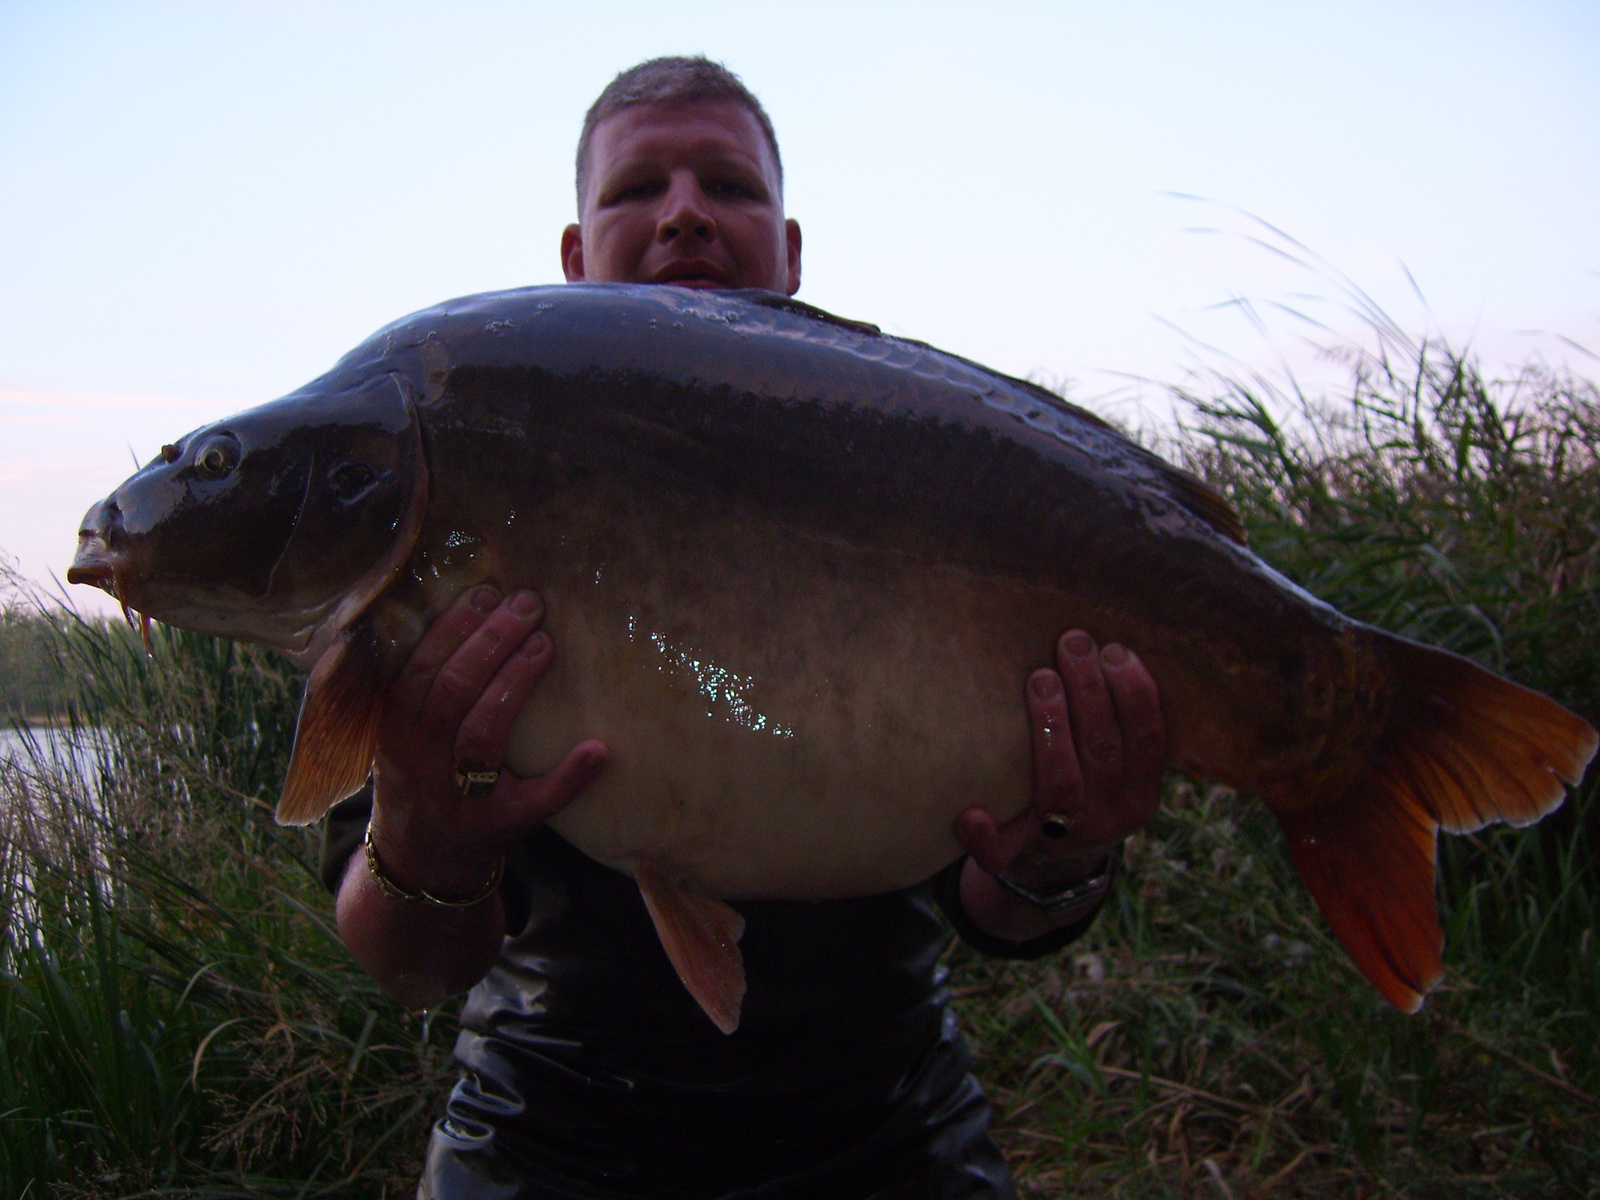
(33, 678)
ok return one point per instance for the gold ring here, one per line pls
(1055, 825)
(476, 783)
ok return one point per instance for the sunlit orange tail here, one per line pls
(1463, 748)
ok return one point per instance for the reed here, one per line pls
(179, 1016)
(31, 683)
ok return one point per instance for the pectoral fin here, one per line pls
(338, 729)
(701, 937)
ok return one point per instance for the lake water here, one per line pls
(53, 746)
(14, 742)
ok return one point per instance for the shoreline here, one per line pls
(15, 720)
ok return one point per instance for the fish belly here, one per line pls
(789, 716)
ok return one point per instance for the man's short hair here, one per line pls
(670, 81)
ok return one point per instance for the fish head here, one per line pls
(277, 525)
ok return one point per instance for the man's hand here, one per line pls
(451, 710)
(1099, 750)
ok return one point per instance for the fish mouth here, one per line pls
(96, 566)
(99, 563)
(97, 560)
(95, 574)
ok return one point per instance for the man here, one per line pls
(588, 1070)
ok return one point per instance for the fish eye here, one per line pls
(216, 457)
(350, 480)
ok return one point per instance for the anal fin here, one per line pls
(701, 937)
(337, 734)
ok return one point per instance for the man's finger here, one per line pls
(1094, 716)
(469, 671)
(979, 837)
(1144, 735)
(1057, 778)
(409, 692)
(482, 738)
(537, 800)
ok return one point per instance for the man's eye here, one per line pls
(638, 191)
(731, 189)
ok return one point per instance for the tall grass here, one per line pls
(1466, 513)
(177, 1017)
(31, 683)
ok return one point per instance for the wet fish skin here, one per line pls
(858, 440)
(797, 573)
(246, 554)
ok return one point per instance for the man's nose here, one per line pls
(686, 211)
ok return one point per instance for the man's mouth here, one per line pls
(691, 273)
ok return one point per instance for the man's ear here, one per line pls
(791, 237)
(572, 253)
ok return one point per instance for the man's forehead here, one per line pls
(715, 126)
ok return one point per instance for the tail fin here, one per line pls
(1463, 748)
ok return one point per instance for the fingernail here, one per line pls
(1114, 655)
(1079, 645)
(536, 645)
(1046, 684)
(486, 599)
(524, 604)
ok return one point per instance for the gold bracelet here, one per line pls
(394, 891)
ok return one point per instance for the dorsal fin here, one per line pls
(1201, 499)
(1197, 497)
(800, 308)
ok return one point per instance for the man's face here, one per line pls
(685, 194)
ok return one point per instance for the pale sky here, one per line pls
(203, 205)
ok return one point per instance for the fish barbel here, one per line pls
(797, 572)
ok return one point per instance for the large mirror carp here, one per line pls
(797, 573)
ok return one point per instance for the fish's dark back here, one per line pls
(828, 425)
